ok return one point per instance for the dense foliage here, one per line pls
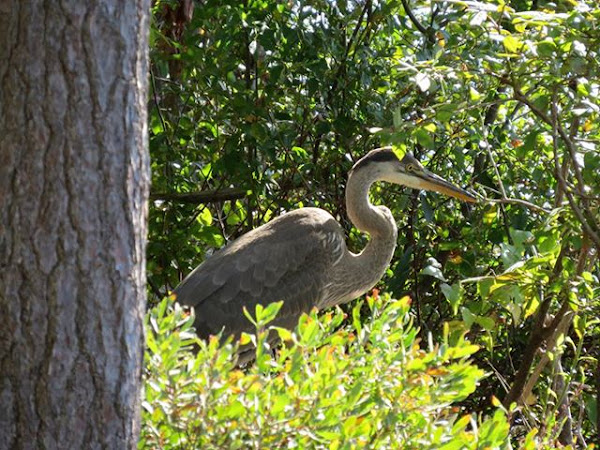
(261, 107)
(364, 385)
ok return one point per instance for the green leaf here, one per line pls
(487, 323)
(490, 215)
(510, 254)
(424, 137)
(462, 351)
(453, 294)
(356, 317)
(542, 101)
(591, 408)
(249, 316)
(529, 144)
(547, 47)
(445, 112)
(205, 217)
(430, 127)
(515, 311)
(266, 315)
(474, 95)
(579, 325)
(513, 44)
(434, 270)
(467, 316)
(428, 211)
(308, 330)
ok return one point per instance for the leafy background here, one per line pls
(261, 107)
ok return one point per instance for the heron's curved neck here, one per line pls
(362, 213)
(358, 273)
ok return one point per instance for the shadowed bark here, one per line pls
(74, 179)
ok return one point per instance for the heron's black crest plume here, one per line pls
(385, 154)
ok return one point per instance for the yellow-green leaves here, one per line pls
(330, 386)
(513, 44)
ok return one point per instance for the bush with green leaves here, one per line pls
(362, 385)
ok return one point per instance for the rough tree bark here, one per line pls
(74, 179)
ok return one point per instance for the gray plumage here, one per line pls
(301, 256)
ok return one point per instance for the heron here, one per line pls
(301, 257)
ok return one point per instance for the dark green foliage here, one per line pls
(273, 102)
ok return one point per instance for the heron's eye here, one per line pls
(410, 168)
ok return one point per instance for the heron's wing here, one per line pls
(287, 259)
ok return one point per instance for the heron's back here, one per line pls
(286, 259)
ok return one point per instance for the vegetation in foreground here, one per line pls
(369, 384)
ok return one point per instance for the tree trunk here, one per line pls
(74, 179)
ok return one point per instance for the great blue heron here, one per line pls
(301, 256)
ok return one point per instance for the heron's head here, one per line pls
(408, 172)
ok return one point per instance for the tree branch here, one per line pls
(415, 21)
(558, 130)
(562, 328)
(211, 196)
(539, 335)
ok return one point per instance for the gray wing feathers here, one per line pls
(287, 259)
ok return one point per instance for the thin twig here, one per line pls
(156, 103)
(563, 185)
(348, 47)
(557, 130)
(516, 201)
(496, 171)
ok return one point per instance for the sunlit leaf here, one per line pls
(513, 44)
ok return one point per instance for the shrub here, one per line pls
(329, 386)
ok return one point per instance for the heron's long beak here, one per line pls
(432, 182)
